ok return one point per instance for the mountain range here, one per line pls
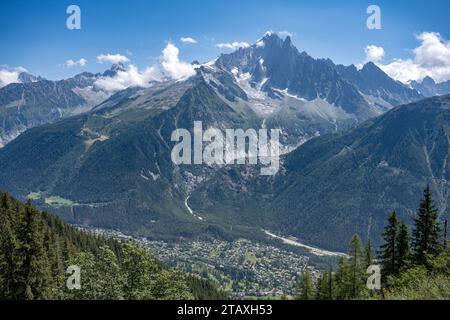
(35, 100)
(428, 87)
(336, 185)
(349, 152)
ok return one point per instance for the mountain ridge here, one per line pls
(35, 100)
(428, 87)
(337, 185)
(111, 166)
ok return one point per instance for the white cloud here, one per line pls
(72, 63)
(233, 45)
(374, 54)
(431, 58)
(434, 52)
(404, 70)
(171, 68)
(284, 34)
(131, 77)
(112, 58)
(8, 76)
(281, 34)
(172, 65)
(188, 40)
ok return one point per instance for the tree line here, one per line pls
(413, 266)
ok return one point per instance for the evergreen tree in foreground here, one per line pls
(368, 254)
(388, 249)
(342, 280)
(306, 287)
(33, 271)
(349, 281)
(357, 270)
(427, 232)
(402, 252)
(326, 286)
(403, 276)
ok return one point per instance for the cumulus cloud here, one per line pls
(131, 77)
(172, 65)
(188, 40)
(374, 53)
(233, 45)
(171, 68)
(431, 58)
(8, 76)
(112, 58)
(73, 63)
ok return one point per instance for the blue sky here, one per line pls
(34, 35)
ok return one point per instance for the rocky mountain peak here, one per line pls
(26, 77)
(115, 68)
(428, 81)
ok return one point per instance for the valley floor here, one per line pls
(242, 268)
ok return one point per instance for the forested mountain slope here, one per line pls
(36, 248)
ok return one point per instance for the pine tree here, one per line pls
(33, 271)
(342, 280)
(331, 284)
(388, 249)
(426, 234)
(305, 289)
(368, 255)
(326, 286)
(320, 287)
(403, 253)
(356, 268)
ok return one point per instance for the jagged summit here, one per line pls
(115, 68)
(428, 81)
(273, 65)
(429, 87)
(25, 77)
